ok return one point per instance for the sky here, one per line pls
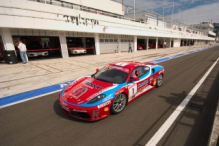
(186, 11)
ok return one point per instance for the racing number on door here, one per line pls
(132, 90)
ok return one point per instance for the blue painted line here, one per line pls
(33, 93)
(53, 88)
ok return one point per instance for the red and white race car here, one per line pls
(110, 89)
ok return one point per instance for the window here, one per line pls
(115, 40)
(111, 40)
(125, 40)
(121, 40)
(101, 40)
(76, 7)
(112, 74)
(57, 3)
(67, 5)
(141, 70)
(106, 40)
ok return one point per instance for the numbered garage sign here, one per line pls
(132, 90)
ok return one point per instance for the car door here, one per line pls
(143, 78)
(136, 87)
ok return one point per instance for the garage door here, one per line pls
(125, 44)
(108, 44)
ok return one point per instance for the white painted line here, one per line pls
(163, 129)
(29, 99)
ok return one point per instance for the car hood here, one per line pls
(84, 89)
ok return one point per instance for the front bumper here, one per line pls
(86, 113)
(78, 51)
(35, 54)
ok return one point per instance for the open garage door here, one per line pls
(79, 43)
(141, 44)
(108, 43)
(41, 44)
(152, 44)
(39, 47)
(2, 49)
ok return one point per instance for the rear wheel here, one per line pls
(159, 80)
(119, 103)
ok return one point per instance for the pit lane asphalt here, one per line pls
(42, 122)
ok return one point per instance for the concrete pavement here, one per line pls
(18, 78)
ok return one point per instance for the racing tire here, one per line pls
(159, 80)
(119, 103)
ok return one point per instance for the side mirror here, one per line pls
(153, 70)
(134, 79)
(97, 69)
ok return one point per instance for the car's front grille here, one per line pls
(80, 115)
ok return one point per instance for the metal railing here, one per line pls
(148, 17)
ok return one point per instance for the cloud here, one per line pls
(191, 11)
(202, 13)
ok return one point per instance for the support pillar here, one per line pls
(170, 43)
(135, 43)
(147, 43)
(7, 39)
(97, 43)
(64, 48)
(119, 44)
(156, 42)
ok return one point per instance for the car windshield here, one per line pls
(112, 74)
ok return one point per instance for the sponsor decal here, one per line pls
(71, 83)
(63, 103)
(108, 98)
(80, 20)
(104, 104)
(154, 83)
(131, 85)
(151, 80)
(143, 83)
(65, 108)
(106, 109)
(95, 114)
(80, 102)
(88, 83)
(119, 91)
(119, 68)
(83, 111)
(121, 64)
(78, 92)
(148, 87)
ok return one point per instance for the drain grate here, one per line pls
(196, 107)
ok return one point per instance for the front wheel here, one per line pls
(159, 81)
(119, 103)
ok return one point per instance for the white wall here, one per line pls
(7, 39)
(105, 5)
(32, 15)
(176, 42)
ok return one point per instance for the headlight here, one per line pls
(97, 98)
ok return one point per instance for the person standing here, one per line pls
(22, 48)
(130, 47)
(165, 45)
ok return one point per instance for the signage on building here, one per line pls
(80, 20)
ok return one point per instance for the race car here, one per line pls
(109, 89)
(139, 47)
